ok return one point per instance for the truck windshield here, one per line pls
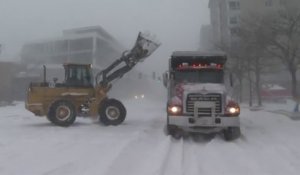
(199, 76)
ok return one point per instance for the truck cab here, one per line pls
(198, 100)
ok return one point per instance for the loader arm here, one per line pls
(143, 48)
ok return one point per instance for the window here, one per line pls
(233, 20)
(282, 2)
(234, 31)
(79, 76)
(268, 3)
(234, 44)
(199, 76)
(81, 44)
(234, 5)
(60, 46)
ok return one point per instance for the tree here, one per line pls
(235, 64)
(283, 37)
(273, 34)
(248, 56)
(251, 33)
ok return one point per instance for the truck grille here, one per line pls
(211, 97)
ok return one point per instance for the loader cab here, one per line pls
(79, 75)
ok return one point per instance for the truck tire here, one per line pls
(62, 113)
(174, 132)
(232, 133)
(112, 112)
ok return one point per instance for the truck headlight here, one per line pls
(174, 110)
(232, 109)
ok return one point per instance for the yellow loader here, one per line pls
(81, 94)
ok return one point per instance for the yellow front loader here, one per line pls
(81, 94)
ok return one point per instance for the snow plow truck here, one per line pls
(80, 94)
(198, 100)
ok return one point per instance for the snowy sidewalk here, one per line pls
(281, 109)
(291, 115)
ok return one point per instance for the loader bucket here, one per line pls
(144, 46)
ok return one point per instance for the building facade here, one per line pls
(226, 15)
(87, 45)
(206, 35)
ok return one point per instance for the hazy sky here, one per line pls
(176, 23)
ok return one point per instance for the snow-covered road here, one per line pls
(32, 146)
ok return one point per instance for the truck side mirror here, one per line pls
(231, 79)
(55, 79)
(166, 77)
(171, 75)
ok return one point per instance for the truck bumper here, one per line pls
(203, 124)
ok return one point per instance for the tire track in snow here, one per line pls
(183, 158)
(191, 163)
(123, 146)
(144, 155)
(91, 164)
(173, 160)
(136, 158)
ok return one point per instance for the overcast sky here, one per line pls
(176, 23)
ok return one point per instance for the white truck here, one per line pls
(198, 101)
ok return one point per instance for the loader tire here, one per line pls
(112, 112)
(232, 133)
(62, 113)
(49, 118)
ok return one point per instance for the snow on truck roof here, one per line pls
(197, 53)
(196, 57)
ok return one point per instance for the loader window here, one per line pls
(79, 77)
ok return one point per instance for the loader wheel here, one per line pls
(232, 133)
(62, 113)
(112, 112)
(49, 118)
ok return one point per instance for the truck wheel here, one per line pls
(232, 133)
(62, 113)
(174, 132)
(112, 112)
